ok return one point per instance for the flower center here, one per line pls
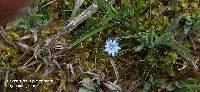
(112, 46)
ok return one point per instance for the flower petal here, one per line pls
(117, 47)
(107, 42)
(114, 42)
(107, 45)
(113, 53)
(109, 52)
(107, 49)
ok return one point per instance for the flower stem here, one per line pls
(115, 69)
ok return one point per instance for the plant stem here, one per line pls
(115, 69)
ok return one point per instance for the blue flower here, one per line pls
(112, 47)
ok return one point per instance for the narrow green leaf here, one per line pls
(173, 24)
(138, 7)
(104, 24)
(105, 6)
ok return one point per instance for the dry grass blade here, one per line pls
(4, 69)
(6, 79)
(35, 36)
(80, 18)
(28, 61)
(76, 8)
(32, 63)
(39, 66)
(5, 36)
(23, 45)
(30, 49)
(70, 68)
(25, 37)
(48, 3)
